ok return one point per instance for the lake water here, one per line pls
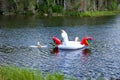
(100, 59)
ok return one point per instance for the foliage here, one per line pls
(15, 73)
(57, 8)
(49, 7)
(91, 13)
(113, 5)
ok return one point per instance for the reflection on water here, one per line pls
(33, 21)
(55, 50)
(84, 52)
(101, 58)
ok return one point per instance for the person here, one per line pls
(39, 45)
(76, 39)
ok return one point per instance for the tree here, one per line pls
(85, 5)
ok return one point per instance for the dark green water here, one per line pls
(17, 33)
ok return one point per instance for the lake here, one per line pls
(100, 59)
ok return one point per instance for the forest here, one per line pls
(49, 7)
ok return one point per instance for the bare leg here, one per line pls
(76, 39)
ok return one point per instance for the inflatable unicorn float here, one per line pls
(66, 44)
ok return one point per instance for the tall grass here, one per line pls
(92, 13)
(15, 73)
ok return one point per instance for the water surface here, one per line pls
(101, 58)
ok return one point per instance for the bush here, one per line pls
(57, 9)
(112, 6)
(15, 73)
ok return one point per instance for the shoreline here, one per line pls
(69, 13)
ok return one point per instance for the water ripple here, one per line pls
(101, 59)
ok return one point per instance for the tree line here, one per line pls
(56, 6)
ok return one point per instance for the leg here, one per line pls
(76, 39)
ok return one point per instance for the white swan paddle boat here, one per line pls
(66, 44)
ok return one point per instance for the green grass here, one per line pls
(15, 73)
(92, 13)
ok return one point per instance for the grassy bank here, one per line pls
(92, 13)
(74, 13)
(15, 73)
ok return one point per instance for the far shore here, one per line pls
(68, 13)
